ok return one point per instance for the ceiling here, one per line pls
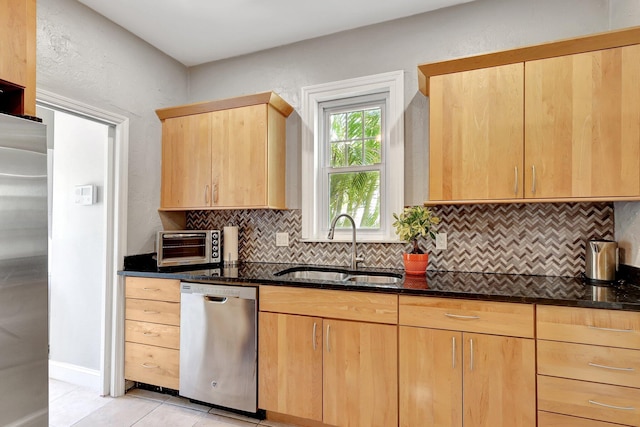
(199, 31)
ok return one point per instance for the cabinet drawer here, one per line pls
(153, 289)
(547, 419)
(152, 365)
(608, 365)
(611, 328)
(497, 318)
(590, 400)
(152, 334)
(361, 306)
(152, 311)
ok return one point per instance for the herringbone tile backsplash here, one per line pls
(536, 238)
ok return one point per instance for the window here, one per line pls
(353, 156)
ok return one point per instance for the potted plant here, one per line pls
(412, 223)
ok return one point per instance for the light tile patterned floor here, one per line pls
(70, 405)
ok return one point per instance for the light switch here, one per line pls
(282, 239)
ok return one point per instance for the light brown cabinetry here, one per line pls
(555, 122)
(225, 154)
(476, 126)
(322, 358)
(18, 56)
(582, 116)
(152, 331)
(588, 366)
(466, 363)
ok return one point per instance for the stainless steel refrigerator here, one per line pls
(23, 273)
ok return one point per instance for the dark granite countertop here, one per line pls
(566, 291)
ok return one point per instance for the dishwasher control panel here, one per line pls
(244, 292)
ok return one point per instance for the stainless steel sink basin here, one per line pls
(368, 278)
(333, 276)
(338, 275)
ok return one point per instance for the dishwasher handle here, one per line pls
(216, 300)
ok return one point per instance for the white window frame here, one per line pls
(313, 98)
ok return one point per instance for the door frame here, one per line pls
(116, 194)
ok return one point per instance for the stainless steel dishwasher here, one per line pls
(218, 345)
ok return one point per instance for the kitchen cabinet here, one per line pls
(554, 122)
(227, 154)
(322, 357)
(18, 57)
(475, 134)
(582, 118)
(152, 331)
(466, 363)
(588, 366)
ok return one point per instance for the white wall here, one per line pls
(76, 262)
(83, 56)
(468, 29)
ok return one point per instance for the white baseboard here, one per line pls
(74, 374)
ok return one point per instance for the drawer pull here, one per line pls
(622, 408)
(595, 365)
(148, 365)
(151, 312)
(609, 329)
(150, 334)
(150, 289)
(460, 316)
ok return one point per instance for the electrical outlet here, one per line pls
(282, 239)
(441, 240)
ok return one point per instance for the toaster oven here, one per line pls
(188, 247)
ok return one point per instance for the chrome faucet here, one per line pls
(355, 259)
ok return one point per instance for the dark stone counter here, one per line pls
(566, 291)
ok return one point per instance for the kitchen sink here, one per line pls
(339, 275)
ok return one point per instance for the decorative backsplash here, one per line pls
(535, 238)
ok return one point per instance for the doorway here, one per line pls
(87, 234)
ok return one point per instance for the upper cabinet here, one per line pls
(18, 57)
(227, 154)
(555, 122)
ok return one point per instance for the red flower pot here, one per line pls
(415, 264)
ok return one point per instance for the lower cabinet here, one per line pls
(152, 331)
(333, 371)
(453, 377)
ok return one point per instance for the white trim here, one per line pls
(111, 374)
(74, 374)
(312, 97)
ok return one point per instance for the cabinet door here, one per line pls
(476, 134)
(360, 374)
(239, 157)
(186, 162)
(583, 125)
(290, 365)
(430, 377)
(499, 382)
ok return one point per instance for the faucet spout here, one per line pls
(355, 259)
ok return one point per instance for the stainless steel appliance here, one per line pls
(23, 273)
(601, 260)
(188, 247)
(218, 345)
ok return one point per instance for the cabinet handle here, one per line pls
(609, 329)
(215, 194)
(460, 316)
(533, 183)
(150, 334)
(148, 365)
(453, 352)
(595, 365)
(515, 185)
(206, 194)
(150, 289)
(151, 312)
(328, 344)
(314, 336)
(622, 408)
(471, 350)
